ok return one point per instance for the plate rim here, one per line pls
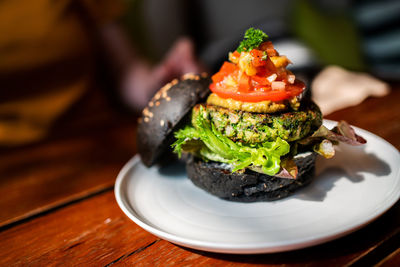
(220, 247)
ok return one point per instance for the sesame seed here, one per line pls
(145, 111)
(190, 76)
(164, 89)
(162, 123)
(146, 119)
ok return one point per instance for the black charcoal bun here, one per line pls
(167, 111)
(217, 179)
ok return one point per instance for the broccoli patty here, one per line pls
(251, 127)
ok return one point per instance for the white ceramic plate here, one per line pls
(350, 190)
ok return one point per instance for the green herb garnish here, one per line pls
(252, 39)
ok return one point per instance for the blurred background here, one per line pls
(359, 35)
(65, 57)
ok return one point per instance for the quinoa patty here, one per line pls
(251, 127)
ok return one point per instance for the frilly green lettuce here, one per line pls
(204, 140)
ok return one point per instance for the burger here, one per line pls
(250, 133)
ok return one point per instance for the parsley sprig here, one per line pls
(252, 39)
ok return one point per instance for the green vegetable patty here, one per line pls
(251, 127)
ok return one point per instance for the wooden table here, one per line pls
(57, 203)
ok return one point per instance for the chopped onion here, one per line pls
(291, 78)
(278, 86)
(272, 77)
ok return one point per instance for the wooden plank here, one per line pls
(83, 155)
(342, 252)
(60, 172)
(391, 260)
(86, 233)
(96, 232)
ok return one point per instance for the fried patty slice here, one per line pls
(249, 127)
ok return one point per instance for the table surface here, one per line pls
(58, 206)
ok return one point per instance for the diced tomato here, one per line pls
(234, 57)
(226, 69)
(266, 70)
(269, 48)
(282, 76)
(270, 66)
(263, 46)
(217, 77)
(262, 71)
(257, 58)
(272, 52)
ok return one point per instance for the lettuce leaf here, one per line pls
(204, 140)
(272, 158)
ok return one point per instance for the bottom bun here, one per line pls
(217, 179)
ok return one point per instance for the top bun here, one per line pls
(166, 112)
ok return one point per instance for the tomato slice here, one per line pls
(257, 96)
